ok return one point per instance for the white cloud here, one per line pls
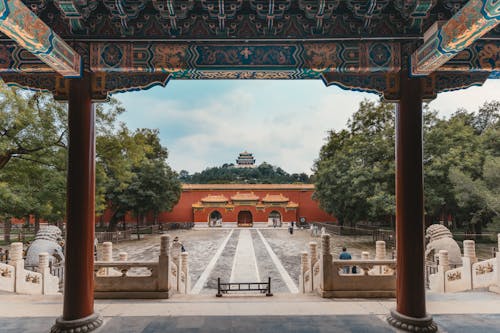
(281, 122)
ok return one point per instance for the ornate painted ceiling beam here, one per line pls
(315, 58)
(27, 30)
(442, 43)
(310, 57)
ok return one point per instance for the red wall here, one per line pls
(193, 193)
(308, 208)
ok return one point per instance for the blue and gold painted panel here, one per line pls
(312, 58)
(473, 21)
(31, 33)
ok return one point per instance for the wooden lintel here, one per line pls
(444, 41)
(25, 28)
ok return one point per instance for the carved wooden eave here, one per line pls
(355, 44)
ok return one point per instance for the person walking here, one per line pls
(290, 228)
(345, 256)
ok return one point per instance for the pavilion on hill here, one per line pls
(245, 160)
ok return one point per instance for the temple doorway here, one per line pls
(245, 219)
(274, 219)
(215, 219)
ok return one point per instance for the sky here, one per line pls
(208, 123)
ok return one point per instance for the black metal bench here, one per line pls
(262, 287)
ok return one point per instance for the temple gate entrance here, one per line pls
(274, 219)
(215, 219)
(245, 219)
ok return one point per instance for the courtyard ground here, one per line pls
(212, 254)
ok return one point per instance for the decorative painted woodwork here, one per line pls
(31, 33)
(130, 45)
(444, 41)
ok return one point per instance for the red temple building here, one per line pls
(246, 204)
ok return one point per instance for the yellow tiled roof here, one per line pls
(245, 197)
(214, 198)
(275, 198)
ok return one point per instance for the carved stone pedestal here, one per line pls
(87, 324)
(410, 324)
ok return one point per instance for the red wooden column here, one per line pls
(410, 313)
(78, 311)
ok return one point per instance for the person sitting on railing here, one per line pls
(345, 256)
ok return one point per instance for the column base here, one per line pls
(410, 324)
(83, 325)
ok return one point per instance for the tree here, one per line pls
(155, 188)
(31, 125)
(264, 173)
(354, 175)
(124, 160)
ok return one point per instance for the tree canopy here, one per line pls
(131, 169)
(265, 173)
(355, 179)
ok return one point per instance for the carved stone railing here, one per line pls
(485, 273)
(373, 278)
(131, 279)
(472, 274)
(366, 282)
(15, 278)
(141, 279)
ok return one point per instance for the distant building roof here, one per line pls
(233, 187)
(275, 198)
(245, 197)
(245, 160)
(214, 198)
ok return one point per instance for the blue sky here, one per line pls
(208, 123)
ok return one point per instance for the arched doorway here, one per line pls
(274, 219)
(245, 219)
(215, 219)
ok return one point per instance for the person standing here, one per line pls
(345, 256)
(290, 228)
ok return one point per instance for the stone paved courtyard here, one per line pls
(212, 254)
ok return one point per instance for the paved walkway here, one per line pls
(462, 312)
(245, 264)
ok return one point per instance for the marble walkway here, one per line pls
(244, 255)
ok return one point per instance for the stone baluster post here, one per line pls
(380, 251)
(365, 255)
(106, 255)
(468, 259)
(498, 247)
(303, 270)
(16, 260)
(164, 263)
(107, 251)
(496, 286)
(444, 265)
(326, 266)
(123, 256)
(185, 272)
(470, 250)
(43, 268)
(313, 259)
